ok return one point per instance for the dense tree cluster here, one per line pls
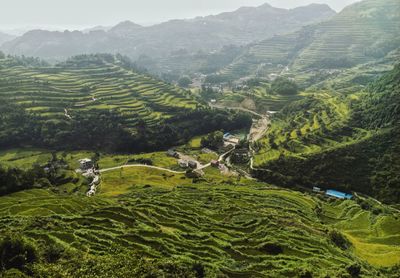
(284, 86)
(104, 130)
(213, 140)
(184, 81)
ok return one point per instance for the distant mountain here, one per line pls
(5, 38)
(209, 33)
(362, 32)
(125, 29)
(96, 28)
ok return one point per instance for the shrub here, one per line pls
(339, 240)
(271, 248)
(16, 253)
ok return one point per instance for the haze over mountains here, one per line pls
(362, 32)
(240, 27)
(5, 37)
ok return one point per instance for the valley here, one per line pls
(263, 142)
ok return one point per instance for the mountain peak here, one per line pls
(124, 28)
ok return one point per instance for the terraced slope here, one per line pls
(238, 231)
(350, 142)
(90, 83)
(361, 33)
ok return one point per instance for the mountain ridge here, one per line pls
(202, 33)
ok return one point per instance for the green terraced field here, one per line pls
(257, 98)
(72, 87)
(301, 133)
(239, 231)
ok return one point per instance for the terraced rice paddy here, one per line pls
(257, 98)
(59, 91)
(304, 133)
(240, 231)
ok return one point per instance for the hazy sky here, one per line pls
(86, 13)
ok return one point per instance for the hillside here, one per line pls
(97, 101)
(362, 32)
(202, 230)
(202, 33)
(5, 38)
(349, 142)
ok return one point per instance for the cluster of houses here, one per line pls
(333, 193)
(190, 165)
(87, 168)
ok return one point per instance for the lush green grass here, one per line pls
(120, 181)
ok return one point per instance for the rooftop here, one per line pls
(338, 194)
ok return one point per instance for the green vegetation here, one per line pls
(213, 140)
(284, 86)
(99, 102)
(184, 81)
(256, 95)
(360, 33)
(243, 230)
(334, 141)
(150, 213)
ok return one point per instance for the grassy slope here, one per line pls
(90, 83)
(223, 227)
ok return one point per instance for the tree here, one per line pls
(284, 86)
(2, 56)
(184, 81)
(213, 140)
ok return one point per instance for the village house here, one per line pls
(338, 194)
(172, 153)
(86, 164)
(240, 156)
(192, 164)
(206, 150)
(230, 139)
(183, 163)
(215, 163)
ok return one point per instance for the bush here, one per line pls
(271, 248)
(16, 253)
(354, 270)
(339, 240)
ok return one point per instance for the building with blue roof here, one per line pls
(338, 194)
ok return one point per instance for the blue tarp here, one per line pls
(338, 194)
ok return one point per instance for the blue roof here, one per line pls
(227, 134)
(338, 194)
